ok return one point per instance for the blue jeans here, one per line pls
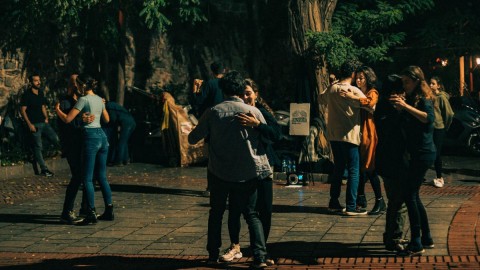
(243, 198)
(345, 155)
(47, 130)
(94, 155)
(126, 131)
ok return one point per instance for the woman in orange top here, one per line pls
(365, 80)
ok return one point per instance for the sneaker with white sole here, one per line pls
(438, 182)
(233, 252)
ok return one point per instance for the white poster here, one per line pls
(299, 119)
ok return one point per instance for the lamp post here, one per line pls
(471, 68)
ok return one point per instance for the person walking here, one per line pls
(33, 108)
(94, 149)
(443, 119)
(237, 162)
(270, 133)
(343, 132)
(417, 122)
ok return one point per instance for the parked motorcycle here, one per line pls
(465, 128)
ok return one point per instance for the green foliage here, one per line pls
(187, 10)
(364, 30)
(452, 28)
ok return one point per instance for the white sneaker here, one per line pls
(438, 182)
(233, 252)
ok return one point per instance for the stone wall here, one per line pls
(11, 77)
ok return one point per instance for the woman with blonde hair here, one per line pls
(417, 107)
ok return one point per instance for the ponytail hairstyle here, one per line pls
(422, 89)
(260, 100)
(86, 83)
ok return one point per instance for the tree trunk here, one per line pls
(121, 56)
(304, 16)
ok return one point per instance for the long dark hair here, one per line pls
(370, 76)
(422, 89)
(260, 100)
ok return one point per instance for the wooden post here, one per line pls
(470, 69)
(462, 74)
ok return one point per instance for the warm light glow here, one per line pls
(444, 62)
(477, 60)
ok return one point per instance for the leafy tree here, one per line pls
(363, 30)
(86, 34)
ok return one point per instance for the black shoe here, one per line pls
(335, 207)
(379, 207)
(70, 218)
(428, 243)
(259, 264)
(397, 247)
(108, 214)
(361, 201)
(91, 218)
(82, 212)
(46, 173)
(411, 252)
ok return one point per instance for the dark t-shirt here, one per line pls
(119, 115)
(34, 105)
(419, 135)
(210, 96)
(70, 134)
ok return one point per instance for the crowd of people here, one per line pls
(405, 121)
(93, 132)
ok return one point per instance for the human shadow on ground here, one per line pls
(31, 218)
(289, 253)
(312, 253)
(119, 262)
(155, 190)
(300, 209)
(468, 172)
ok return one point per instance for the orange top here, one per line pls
(368, 137)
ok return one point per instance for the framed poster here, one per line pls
(299, 119)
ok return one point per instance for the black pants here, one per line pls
(243, 199)
(438, 137)
(263, 207)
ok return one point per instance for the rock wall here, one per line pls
(12, 77)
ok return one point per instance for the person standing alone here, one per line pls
(33, 107)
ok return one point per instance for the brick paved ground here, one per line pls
(161, 217)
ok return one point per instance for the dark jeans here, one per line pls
(263, 207)
(417, 214)
(345, 155)
(396, 209)
(74, 162)
(374, 180)
(243, 198)
(94, 154)
(47, 131)
(126, 131)
(438, 137)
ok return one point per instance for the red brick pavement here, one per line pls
(463, 243)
